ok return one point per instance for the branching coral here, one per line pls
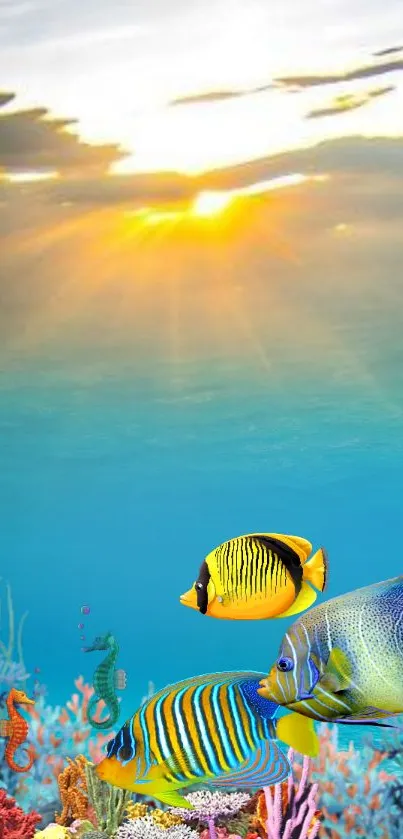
(109, 803)
(73, 791)
(146, 828)
(208, 807)
(352, 789)
(289, 810)
(14, 823)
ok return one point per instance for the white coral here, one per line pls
(146, 828)
(212, 805)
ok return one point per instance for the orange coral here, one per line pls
(73, 791)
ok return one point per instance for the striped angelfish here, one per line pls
(343, 660)
(213, 730)
(260, 575)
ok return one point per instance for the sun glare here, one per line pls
(211, 203)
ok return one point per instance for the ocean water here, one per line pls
(122, 467)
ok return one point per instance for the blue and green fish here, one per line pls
(213, 730)
(343, 660)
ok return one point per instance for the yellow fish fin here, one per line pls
(173, 798)
(299, 733)
(315, 570)
(301, 546)
(306, 597)
(338, 670)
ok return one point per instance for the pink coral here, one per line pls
(14, 823)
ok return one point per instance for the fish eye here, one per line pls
(199, 586)
(285, 664)
(125, 753)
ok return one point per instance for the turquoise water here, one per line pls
(118, 478)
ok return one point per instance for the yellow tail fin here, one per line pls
(315, 570)
(299, 733)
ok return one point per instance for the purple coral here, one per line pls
(298, 821)
(209, 806)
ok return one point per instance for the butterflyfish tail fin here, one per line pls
(305, 599)
(315, 570)
(299, 733)
(264, 767)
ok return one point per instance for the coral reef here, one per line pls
(109, 803)
(209, 807)
(54, 733)
(73, 791)
(289, 810)
(146, 828)
(52, 831)
(354, 789)
(14, 823)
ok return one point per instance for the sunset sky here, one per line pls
(119, 68)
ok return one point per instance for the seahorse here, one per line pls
(16, 730)
(106, 681)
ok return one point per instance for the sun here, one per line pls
(210, 203)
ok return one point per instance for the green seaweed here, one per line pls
(7, 651)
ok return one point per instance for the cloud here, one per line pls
(387, 51)
(363, 72)
(348, 102)
(346, 157)
(32, 140)
(218, 96)
(5, 98)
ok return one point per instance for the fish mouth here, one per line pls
(27, 701)
(264, 689)
(189, 599)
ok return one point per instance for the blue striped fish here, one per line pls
(213, 730)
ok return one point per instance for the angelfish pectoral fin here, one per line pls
(338, 671)
(266, 766)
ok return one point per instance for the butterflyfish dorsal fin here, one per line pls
(338, 671)
(299, 733)
(305, 599)
(267, 765)
(301, 546)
